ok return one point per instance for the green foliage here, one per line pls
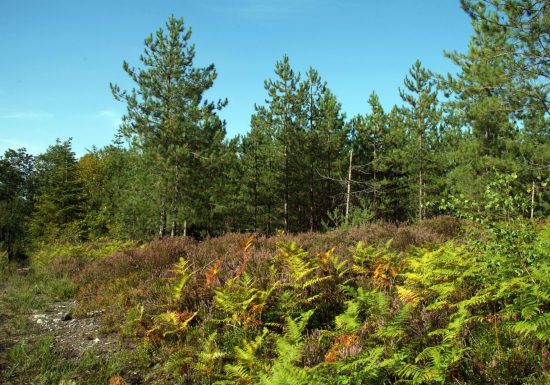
(177, 134)
(474, 144)
(416, 317)
(246, 367)
(301, 280)
(58, 200)
(284, 370)
(500, 201)
(359, 214)
(183, 273)
(16, 195)
(39, 362)
(241, 301)
(471, 310)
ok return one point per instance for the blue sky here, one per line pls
(58, 56)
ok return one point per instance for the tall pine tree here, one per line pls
(171, 123)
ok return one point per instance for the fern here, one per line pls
(182, 273)
(246, 368)
(300, 281)
(172, 323)
(241, 301)
(284, 370)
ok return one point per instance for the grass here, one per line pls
(39, 362)
(29, 356)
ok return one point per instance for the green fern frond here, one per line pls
(183, 273)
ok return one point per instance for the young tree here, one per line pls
(16, 190)
(59, 200)
(324, 138)
(371, 132)
(261, 164)
(332, 154)
(501, 93)
(171, 124)
(423, 118)
(282, 116)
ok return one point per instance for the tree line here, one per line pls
(474, 144)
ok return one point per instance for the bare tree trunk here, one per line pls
(420, 192)
(348, 195)
(329, 201)
(185, 228)
(286, 189)
(420, 180)
(256, 179)
(268, 228)
(173, 231)
(311, 165)
(162, 227)
(375, 178)
(175, 199)
(311, 200)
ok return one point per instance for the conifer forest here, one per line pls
(408, 245)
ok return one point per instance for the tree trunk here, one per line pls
(268, 228)
(286, 189)
(311, 200)
(348, 195)
(375, 184)
(162, 227)
(420, 176)
(256, 181)
(311, 160)
(329, 201)
(173, 231)
(175, 199)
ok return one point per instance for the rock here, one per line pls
(67, 316)
(23, 271)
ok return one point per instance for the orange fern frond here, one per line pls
(212, 272)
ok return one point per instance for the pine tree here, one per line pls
(423, 118)
(171, 124)
(58, 200)
(282, 115)
(261, 157)
(16, 194)
(523, 27)
(368, 146)
(502, 92)
(313, 89)
(323, 153)
(332, 154)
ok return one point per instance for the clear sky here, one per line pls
(57, 57)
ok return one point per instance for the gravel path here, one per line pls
(73, 335)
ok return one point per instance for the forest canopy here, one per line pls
(475, 145)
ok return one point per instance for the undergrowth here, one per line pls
(434, 303)
(441, 302)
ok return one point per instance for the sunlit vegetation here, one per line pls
(400, 246)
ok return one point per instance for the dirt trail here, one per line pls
(73, 335)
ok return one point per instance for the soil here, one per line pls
(73, 335)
